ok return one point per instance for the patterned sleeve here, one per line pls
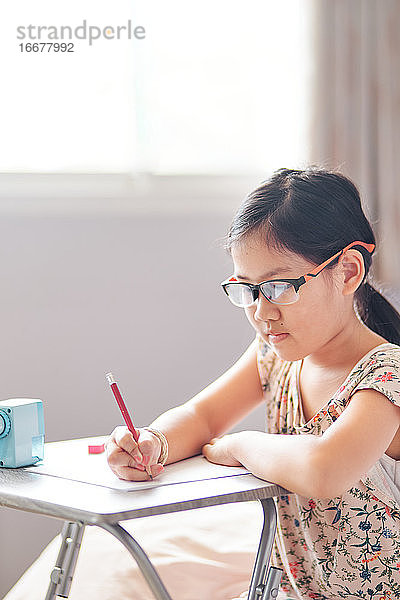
(382, 374)
(266, 359)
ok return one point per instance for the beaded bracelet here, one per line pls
(164, 444)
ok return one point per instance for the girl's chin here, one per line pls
(283, 351)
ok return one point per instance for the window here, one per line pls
(213, 88)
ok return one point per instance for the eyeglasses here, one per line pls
(278, 291)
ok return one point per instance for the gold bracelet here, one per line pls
(164, 444)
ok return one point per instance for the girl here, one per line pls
(326, 361)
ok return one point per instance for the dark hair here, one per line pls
(315, 213)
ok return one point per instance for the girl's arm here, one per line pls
(214, 410)
(312, 466)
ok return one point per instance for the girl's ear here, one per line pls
(353, 271)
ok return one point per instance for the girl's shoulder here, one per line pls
(379, 369)
(386, 348)
(384, 355)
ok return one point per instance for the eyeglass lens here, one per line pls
(279, 292)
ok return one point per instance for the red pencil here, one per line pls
(124, 410)
(122, 406)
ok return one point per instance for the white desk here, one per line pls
(81, 503)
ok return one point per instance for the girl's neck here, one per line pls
(345, 349)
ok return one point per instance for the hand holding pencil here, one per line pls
(125, 456)
(129, 458)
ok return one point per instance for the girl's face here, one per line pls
(318, 316)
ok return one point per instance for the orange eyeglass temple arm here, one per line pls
(314, 272)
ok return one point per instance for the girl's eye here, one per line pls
(281, 291)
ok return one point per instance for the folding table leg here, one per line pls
(63, 572)
(143, 561)
(265, 581)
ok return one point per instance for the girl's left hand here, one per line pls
(219, 451)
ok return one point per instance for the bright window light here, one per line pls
(213, 88)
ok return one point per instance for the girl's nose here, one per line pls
(266, 310)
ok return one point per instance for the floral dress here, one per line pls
(347, 546)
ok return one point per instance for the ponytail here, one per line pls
(377, 313)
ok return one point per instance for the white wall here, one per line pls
(87, 291)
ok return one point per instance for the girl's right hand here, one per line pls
(128, 459)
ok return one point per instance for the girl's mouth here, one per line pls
(275, 338)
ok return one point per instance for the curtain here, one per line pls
(355, 112)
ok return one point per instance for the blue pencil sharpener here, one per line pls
(21, 432)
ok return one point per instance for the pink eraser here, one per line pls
(96, 449)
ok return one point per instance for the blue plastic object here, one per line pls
(21, 432)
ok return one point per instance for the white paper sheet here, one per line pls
(71, 460)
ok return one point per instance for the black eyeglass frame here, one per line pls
(255, 288)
